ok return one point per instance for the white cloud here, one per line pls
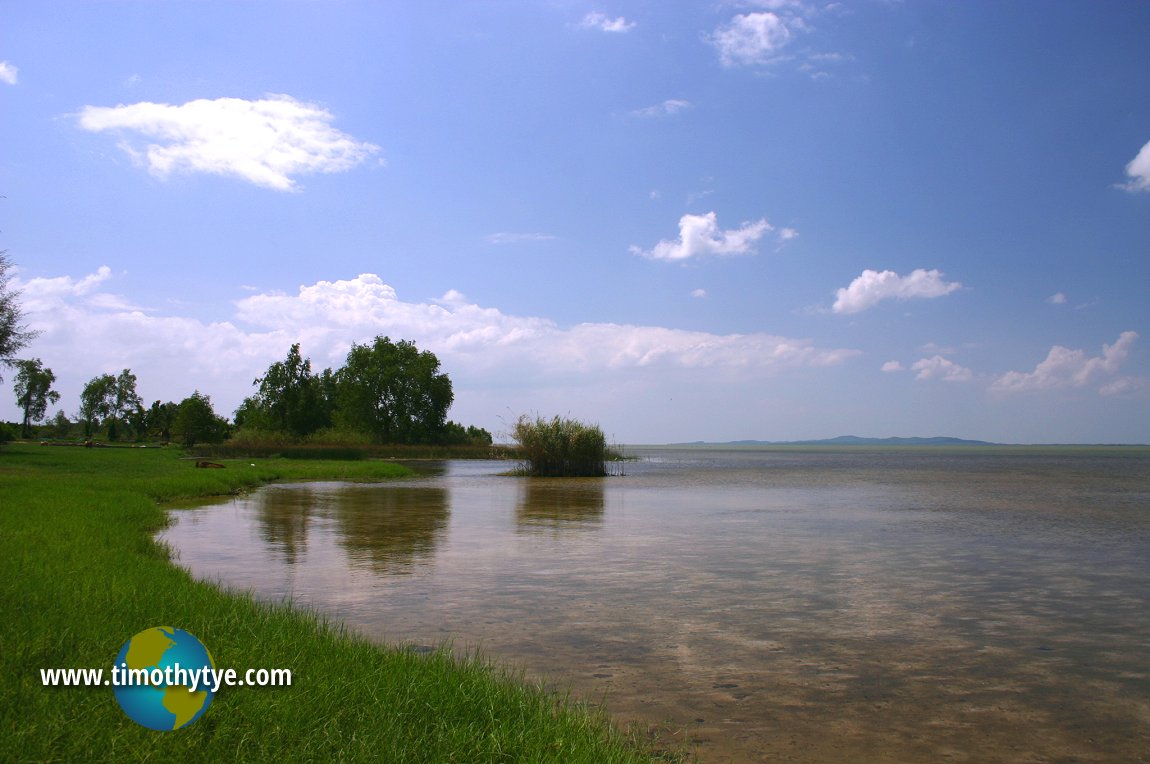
(517, 238)
(1066, 368)
(751, 38)
(488, 353)
(667, 108)
(699, 293)
(699, 235)
(938, 367)
(265, 142)
(892, 366)
(872, 287)
(360, 307)
(1058, 298)
(1139, 171)
(41, 294)
(604, 23)
(9, 74)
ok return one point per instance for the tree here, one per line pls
(290, 398)
(34, 392)
(60, 426)
(14, 335)
(196, 421)
(392, 391)
(160, 418)
(126, 403)
(455, 434)
(97, 402)
(112, 401)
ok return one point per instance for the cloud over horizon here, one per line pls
(872, 287)
(264, 142)
(483, 348)
(1067, 368)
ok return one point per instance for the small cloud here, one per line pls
(699, 293)
(452, 297)
(667, 108)
(9, 74)
(937, 349)
(655, 194)
(872, 287)
(786, 234)
(604, 23)
(1139, 171)
(938, 367)
(1066, 368)
(504, 237)
(754, 38)
(700, 235)
(695, 196)
(264, 142)
(893, 366)
(1058, 298)
(133, 81)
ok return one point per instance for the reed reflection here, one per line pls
(550, 505)
(391, 529)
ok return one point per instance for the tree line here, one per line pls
(386, 392)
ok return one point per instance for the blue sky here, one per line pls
(714, 220)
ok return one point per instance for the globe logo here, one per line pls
(175, 658)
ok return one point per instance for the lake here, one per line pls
(754, 603)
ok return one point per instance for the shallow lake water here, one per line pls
(754, 604)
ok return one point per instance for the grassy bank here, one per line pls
(80, 574)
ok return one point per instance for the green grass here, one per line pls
(80, 574)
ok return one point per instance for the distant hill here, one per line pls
(854, 440)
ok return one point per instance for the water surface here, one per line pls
(783, 604)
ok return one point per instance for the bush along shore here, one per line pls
(80, 573)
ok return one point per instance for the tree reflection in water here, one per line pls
(390, 529)
(284, 517)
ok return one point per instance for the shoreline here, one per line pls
(82, 572)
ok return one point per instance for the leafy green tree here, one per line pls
(60, 426)
(125, 403)
(112, 401)
(97, 402)
(160, 418)
(33, 386)
(455, 434)
(196, 421)
(392, 391)
(14, 335)
(290, 398)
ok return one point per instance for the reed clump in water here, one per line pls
(561, 447)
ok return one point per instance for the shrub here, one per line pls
(561, 447)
